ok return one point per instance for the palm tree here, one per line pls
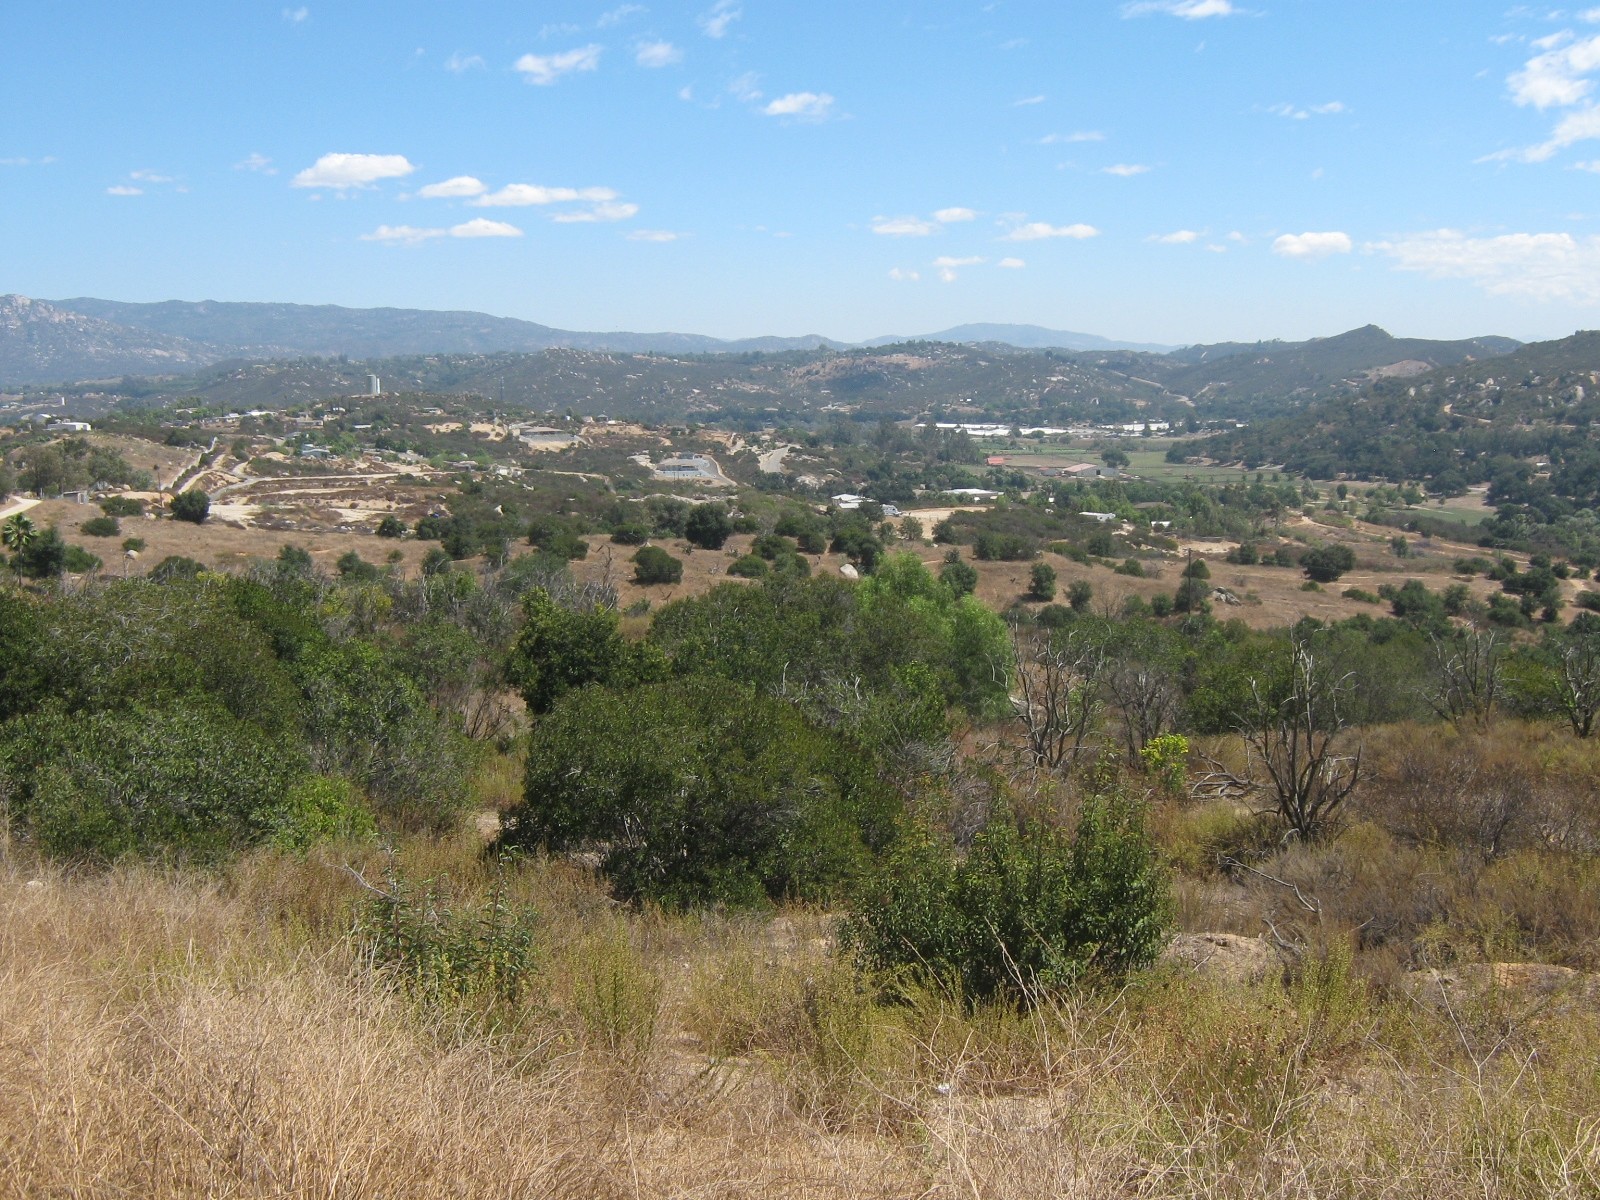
(17, 534)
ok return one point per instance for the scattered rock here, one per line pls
(1230, 957)
(1519, 981)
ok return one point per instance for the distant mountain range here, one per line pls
(85, 339)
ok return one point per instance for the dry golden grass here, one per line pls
(166, 1034)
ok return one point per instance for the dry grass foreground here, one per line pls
(168, 1034)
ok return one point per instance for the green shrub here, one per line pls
(1326, 564)
(121, 506)
(630, 534)
(192, 506)
(1132, 567)
(442, 953)
(700, 791)
(1022, 910)
(1042, 583)
(391, 527)
(960, 577)
(751, 566)
(79, 561)
(708, 526)
(185, 779)
(319, 808)
(652, 565)
(1364, 597)
(100, 527)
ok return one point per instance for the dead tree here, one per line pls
(1057, 697)
(1577, 681)
(1293, 727)
(1147, 697)
(1466, 671)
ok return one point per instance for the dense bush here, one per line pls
(701, 791)
(751, 566)
(708, 526)
(101, 527)
(1022, 909)
(193, 506)
(652, 564)
(1326, 564)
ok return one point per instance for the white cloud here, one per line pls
(405, 235)
(411, 235)
(1312, 245)
(1556, 78)
(949, 216)
(658, 54)
(1036, 231)
(545, 69)
(1189, 10)
(744, 87)
(902, 275)
(147, 176)
(902, 226)
(653, 235)
(1125, 170)
(714, 24)
(459, 187)
(947, 266)
(1011, 264)
(807, 106)
(460, 63)
(1575, 127)
(296, 16)
(1535, 266)
(123, 189)
(1179, 237)
(1089, 135)
(341, 171)
(256, 162)
(686, 92)
(521, 195)
(482, 227)
(619, 14)
(608, 211)
(1027, 100)
(1296, 113)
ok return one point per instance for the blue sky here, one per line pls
(1166, 170)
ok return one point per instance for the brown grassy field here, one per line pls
(170, 1034)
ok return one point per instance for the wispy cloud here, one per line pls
(1534, 266)
(1036, 231)
(1189, 10)
(522, 195)
(714, 22)
(459, 187)
(1296, 113)
(124, 189)
(903, 226)
(1558, 78)
(657, 54)
(802, 106)
(459, 63)
(620, 14)
(1178, 237)
(1026, 101)
(1312, 245)
(950, 216)
(545, 69)
(259, 163)
(411, 235)
(653, 235)
(608, 211)
(1125, 170)
(1011, 264)
(746, 88)
(343, 171)
(946, 265)
(904, 275)
(1087, 135)
(28, 162)
(148, 176)
(296, 16)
